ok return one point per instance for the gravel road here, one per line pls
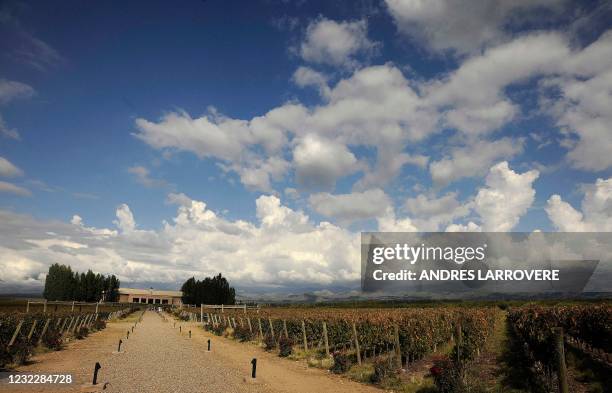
(159, 358)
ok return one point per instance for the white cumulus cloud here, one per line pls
(336, 43)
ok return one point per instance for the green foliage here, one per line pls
(215, 290)
(62, 283)
(243, 334)
(269, 343)
(99, 324)
(218, 329)
(531, 331)
(285, 346)
(447, 377)
(384, 368)
(53, 340)
(342, 363)
(82, 333)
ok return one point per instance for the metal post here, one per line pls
(119, 347)
(209, 344)
(95, 376)
(254, 370)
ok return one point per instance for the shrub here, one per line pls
(218, 329)
(5, 356)
(286, 346)
(269, 343)
(99, 324)
(82, 333)
(243, 334)
(384, 369)
(447, 377)
(342, 363)
(53, 340)
(20, 352)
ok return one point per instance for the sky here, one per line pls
(259, 138)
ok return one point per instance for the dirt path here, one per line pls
(159, 358)
(77, 358)
(276, 374)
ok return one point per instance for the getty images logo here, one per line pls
(412, 254)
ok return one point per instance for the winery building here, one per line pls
(150, 296)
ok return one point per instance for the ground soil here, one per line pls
(159, 357)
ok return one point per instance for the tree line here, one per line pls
(215, 290)
(64, 284)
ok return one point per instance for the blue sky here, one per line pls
(287, 116)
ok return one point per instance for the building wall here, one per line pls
(150, 299)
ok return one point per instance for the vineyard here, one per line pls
(586, 331)
(22, 332)
(445, 349)
(397, 338)
(392, 338)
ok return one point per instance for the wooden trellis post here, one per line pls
(458, 341)
(249, 322)
(32, 330)
(17, 329)
(285, 329)
(325, 339)
(44, 331)
(63, 325)
(356, 338)
(69, 325)
(271, 328)
(398, 349)
(561, 367)
(304, 336)
(260, 329)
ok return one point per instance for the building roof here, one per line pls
(149, 292)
